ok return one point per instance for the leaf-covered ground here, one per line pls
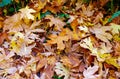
(59, 39)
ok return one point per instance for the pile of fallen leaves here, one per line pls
(59, 39)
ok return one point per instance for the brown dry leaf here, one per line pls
(101, 32)
(66, 61)
(1, 18)
(58, 40)
(39, 4)
(66, 32)
(54, 7)
(75, 47)
(5, 65)
(88, 11)
(74, 60)
(112, 74)
(90, 59)
(1, 22)
(48, 47)
(102, 3)
(41, 64)
(2, 56)
(14, 76)
(82, 67)
(3, 36)
(34, 24)
(13, 23)
(51, 60)
(116, 20)
(68, 46)
(71, 61)
(117, 49)
(78, 4)
(98, 18)
(55, 21)
(48, 72)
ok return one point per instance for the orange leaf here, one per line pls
(3, 36)
(58, 40)
(74, 24)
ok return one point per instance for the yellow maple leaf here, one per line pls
(113, 61)
(109, 59)
(16, 42)
(116, 37)
(26, 13)
(19, 44)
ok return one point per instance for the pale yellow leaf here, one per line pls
(101, 32)
(115, 28)
(26, 13)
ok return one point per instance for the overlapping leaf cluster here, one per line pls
(59, 39)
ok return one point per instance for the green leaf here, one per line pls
(63, 15)
(86, 1)
(5, 2)
(42, 15)
(11, 9)
(116, 14)
(56, 77)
